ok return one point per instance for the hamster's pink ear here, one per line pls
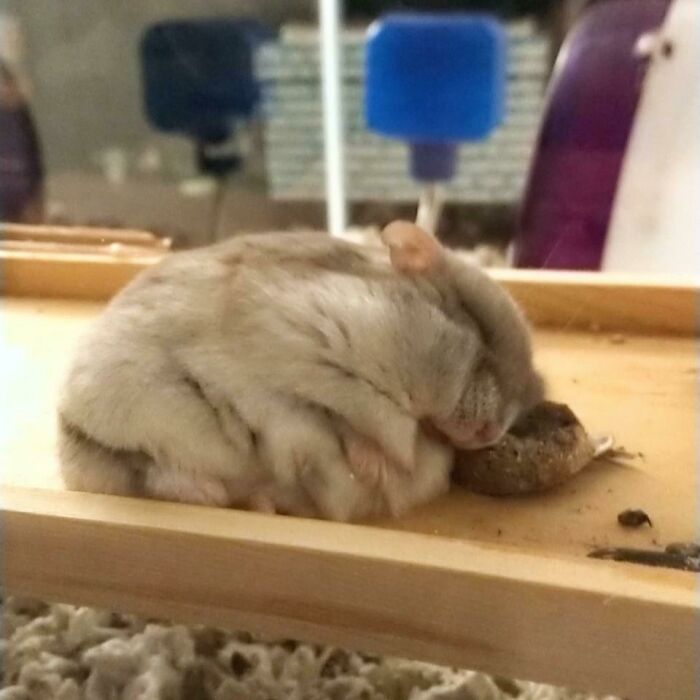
(410, 247)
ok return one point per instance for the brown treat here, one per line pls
(633, 518)
(544, 449)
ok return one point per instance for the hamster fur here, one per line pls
(291, 373)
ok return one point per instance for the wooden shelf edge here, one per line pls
(566, 300)
(485, 607)
(81, 234)
(69, 275)
(594, 301)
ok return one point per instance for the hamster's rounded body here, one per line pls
(282, 372)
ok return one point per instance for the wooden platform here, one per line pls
(502, 585)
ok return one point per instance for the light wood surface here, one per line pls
(497, 584)
(113, 250)
(606, 301)
(68, 275)
(81, 234)
(73, 261)
(557, 299)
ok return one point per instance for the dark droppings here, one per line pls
(634, 517)
(649, 557)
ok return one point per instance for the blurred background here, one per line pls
(91, 134)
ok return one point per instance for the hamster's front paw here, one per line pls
(367, 461)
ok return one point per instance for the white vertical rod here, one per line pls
(430, 207)
(330, 57)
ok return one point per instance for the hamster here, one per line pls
(295, 373)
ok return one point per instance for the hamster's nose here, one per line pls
(488, 433)
(471, 435)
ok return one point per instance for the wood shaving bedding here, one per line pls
(63, 652)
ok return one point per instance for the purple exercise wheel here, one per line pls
(591, 107)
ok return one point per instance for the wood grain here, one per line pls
(606, 301)
(68, 275)
(497, 584)
(73, 261)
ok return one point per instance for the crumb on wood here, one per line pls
(634, 517)
(622, 453)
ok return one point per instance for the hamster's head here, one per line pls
(481, 365)
(493, 396)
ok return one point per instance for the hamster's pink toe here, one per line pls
(262, 503)
(366, 459)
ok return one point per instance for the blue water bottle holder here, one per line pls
(434, 81)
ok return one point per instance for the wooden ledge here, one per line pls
(493, 608)
(641, 304)
(564, 300)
